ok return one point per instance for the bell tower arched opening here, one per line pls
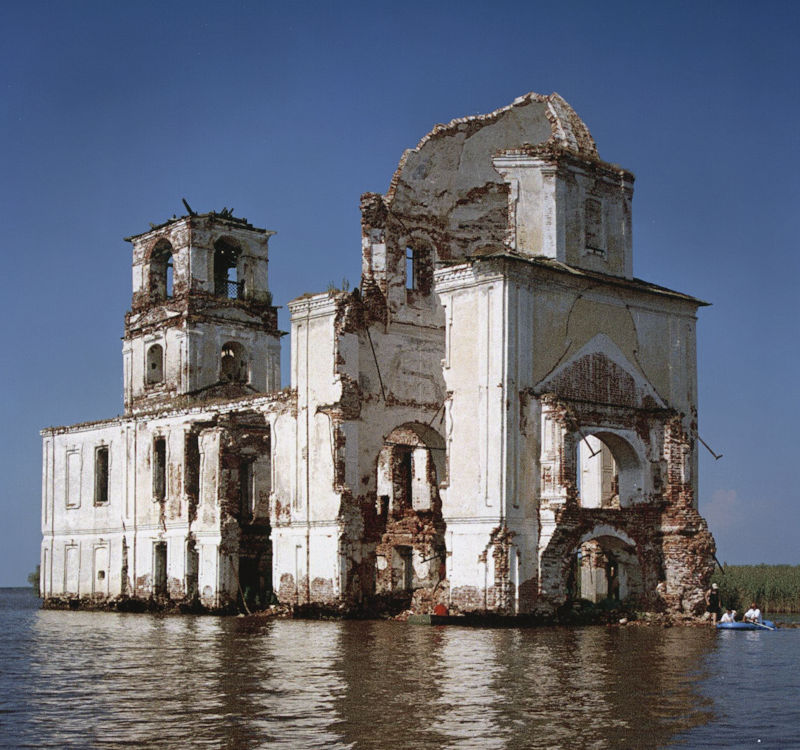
(233, 367)
(228, 281)
(161, 271)
(154, 367)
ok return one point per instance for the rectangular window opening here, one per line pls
(73, 480)
(593, 218)
(192, 569)
(192, 466)
(406, 478)
(411, 280)
(160, 568)
(405, 572)
(159, 468)
(101, 475)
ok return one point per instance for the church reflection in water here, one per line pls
(249, 682)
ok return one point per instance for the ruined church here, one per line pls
(500, 418)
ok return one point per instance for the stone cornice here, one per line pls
(504, 263)
(316, 305)
(230, 222)
(269, 402)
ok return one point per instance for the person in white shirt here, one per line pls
(753, 614)
(729, 616)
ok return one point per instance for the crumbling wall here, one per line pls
(428, 447)
(410, 554)
(671, 540)
(383, 375)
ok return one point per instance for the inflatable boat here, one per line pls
(765, 625)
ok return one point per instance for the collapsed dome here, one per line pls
(530, 120)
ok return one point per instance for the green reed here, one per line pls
(775, 588)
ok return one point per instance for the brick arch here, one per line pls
(576, 527)
(605, 530)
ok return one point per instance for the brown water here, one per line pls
(77, 679)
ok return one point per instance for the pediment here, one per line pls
(600, 372)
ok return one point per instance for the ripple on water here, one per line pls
(77, 679)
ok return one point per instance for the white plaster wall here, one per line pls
(82, 523)
(283, 446)
(546, 211)
(475, 375)
(192, 358)
(313, 375)
(492, 434)
(131, 513)
(467, 541)
(305, 533)
(306, 561)
(615, 196)
(173, 344)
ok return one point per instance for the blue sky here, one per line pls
(287, 112)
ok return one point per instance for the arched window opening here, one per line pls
(419, 269)
(154, 372)
(233, 363)
(608, 471)
(161, 272)
(404, 466)
(226, 269)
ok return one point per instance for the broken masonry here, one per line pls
(500, 418)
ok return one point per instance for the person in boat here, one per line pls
(753, 614)
(712, 602)
(729, 616)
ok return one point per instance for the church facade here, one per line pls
(500, 418)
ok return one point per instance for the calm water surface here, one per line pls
(102, 680)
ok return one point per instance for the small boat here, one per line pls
(765, 625)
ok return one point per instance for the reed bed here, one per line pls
(775, 588)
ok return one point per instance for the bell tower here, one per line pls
(202, 324)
